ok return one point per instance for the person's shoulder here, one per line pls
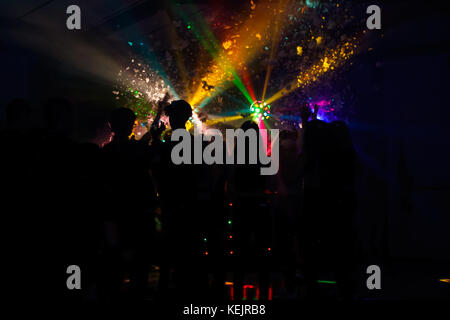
(109, 147)
(89, 147)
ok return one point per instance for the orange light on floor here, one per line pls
(231, 285)
(206, 253)
(231, 252)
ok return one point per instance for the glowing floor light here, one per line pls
(326, 281)
(260, 110)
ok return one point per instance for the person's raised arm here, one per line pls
(305, 113)
(156, 127)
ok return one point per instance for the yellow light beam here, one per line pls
(275, 40)
(330, 61)
(178, 58)
(242, 45)
(223, 119)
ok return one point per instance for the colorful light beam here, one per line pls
(330, 61)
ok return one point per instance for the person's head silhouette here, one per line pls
(178, 112)
(121, 122)
(247, 125)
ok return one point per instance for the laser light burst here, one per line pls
(260, 110)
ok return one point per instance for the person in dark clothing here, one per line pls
(252, 220)
(326, 220)
(17, 214)
(49, 209)
(128, 212)
(286, 206)
(343, 198)
(315, 227)
(180, 188)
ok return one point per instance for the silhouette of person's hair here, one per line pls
(246, 126)
(122, 121)
(342, 135)
(178, 112)
(250, 125)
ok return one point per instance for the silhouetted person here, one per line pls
(326, 220)
(43, 190)
(128, 214)
(251, 218)
(343, 198)
(178, 186)
(315, 227)
(288, 182)
(18, 212)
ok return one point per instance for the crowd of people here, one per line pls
(120, 210)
